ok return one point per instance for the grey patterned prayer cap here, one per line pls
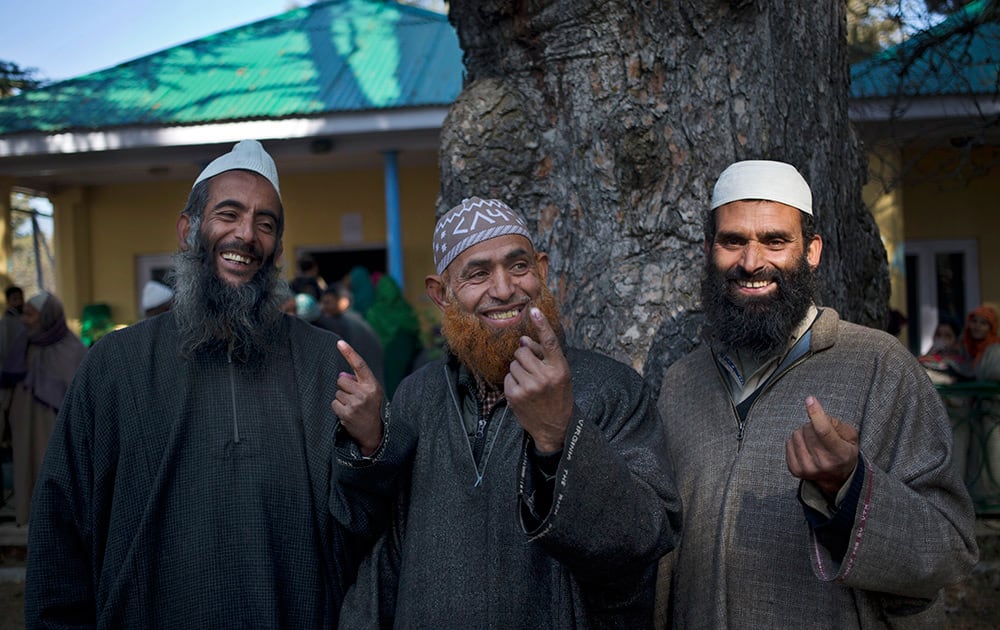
(471, 222)
(247, 155)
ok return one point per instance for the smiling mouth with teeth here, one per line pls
(505, 314)
(754, 284)
(234, 257)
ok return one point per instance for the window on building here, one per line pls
(32, 262)
(942, 280)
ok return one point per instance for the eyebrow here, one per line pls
(511, 256)
(242, 206)
(785, 234)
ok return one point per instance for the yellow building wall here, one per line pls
(885, 202)
(126, 221)
(959, 207)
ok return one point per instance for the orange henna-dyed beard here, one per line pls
(486, 352)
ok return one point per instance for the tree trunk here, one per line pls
(606, 123)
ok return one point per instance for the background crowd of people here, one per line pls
(40, 356)
(965, 353)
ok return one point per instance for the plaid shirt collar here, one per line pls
(486, 394)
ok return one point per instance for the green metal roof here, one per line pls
(959, 56)
(328, 57)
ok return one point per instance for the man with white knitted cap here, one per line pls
(535, 493)
(156, 298)
(812, 455)
(191, 479)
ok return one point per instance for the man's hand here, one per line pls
(358, 403)
(823, 450)
(538, 387)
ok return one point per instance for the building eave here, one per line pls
(125, 138)
(48, 161)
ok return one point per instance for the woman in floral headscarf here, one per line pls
(39, 367)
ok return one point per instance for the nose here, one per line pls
(503, 286)
(244, 228)
(751, 260)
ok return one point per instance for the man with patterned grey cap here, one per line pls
(190, 480)
(812, 455)
(533, 488)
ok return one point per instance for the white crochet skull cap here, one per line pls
(247, 155)
(763, 179)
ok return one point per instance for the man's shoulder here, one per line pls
(141, 333)
(599, 366)
(702, 354)
(309, 340)
(860, 339)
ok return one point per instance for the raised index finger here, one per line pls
(821, 422)
(361, 369)
(546, 336)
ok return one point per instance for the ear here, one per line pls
(542, 260)
(437, 291)
(707, 247)
(814, 250)
(183, 227)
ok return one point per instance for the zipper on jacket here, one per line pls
(768, 385)
(232, 393)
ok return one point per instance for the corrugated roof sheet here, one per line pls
(328, 57)
(959, 56)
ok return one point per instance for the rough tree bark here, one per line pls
(606, 123)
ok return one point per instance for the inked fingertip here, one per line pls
(536, 313)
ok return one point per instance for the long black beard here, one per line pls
(760, 326)
(213, 316)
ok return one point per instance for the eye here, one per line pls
(776, 243)
(730, 242)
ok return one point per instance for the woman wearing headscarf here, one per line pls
(396, 324)
(39, 368)
(980, 333)
(359, 280)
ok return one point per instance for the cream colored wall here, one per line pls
(125, 221)
(885, 202)
(949, 208)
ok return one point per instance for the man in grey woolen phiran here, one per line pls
(812, 454)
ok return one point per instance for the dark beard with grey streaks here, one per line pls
(214, 316)
(760, 325)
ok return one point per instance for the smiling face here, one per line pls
(494, 280)
(241, 224)
(485, 294)
(753, 239)
(979, 327)
(759, 275)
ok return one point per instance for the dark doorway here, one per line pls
(335, 264)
